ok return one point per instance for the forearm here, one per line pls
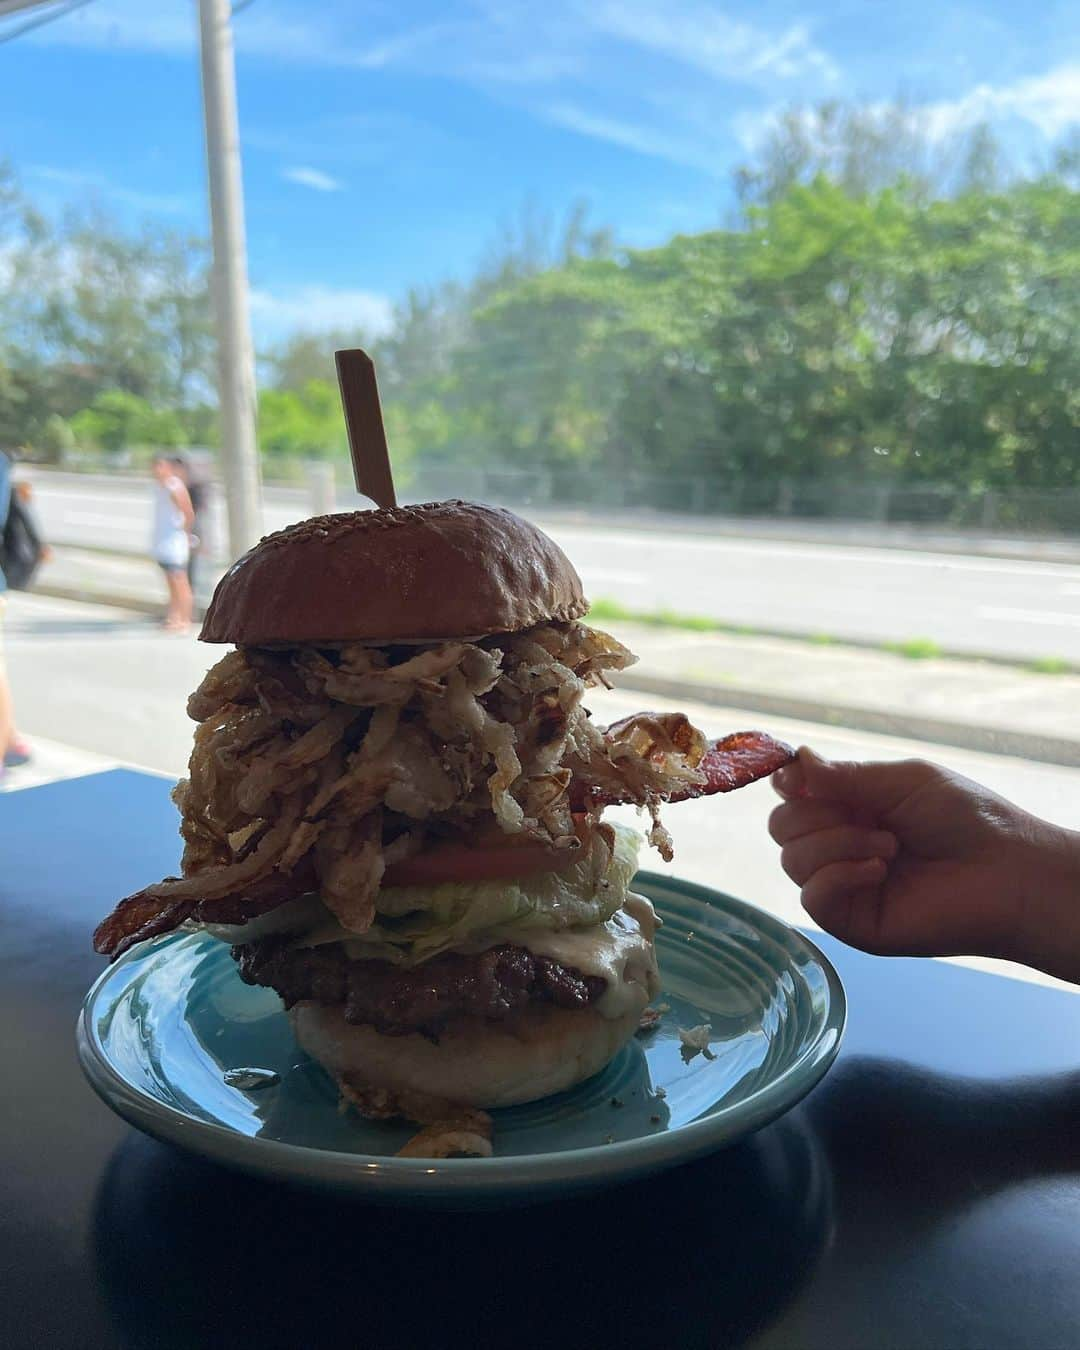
(1048, 927)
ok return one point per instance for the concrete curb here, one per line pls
(785, 635)
(963, 735)
(911, 726)
(112, 599)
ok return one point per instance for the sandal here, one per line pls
(17, 753)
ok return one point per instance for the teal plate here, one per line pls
(160, 1029)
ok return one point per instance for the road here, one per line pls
(105, 686)
(982, 605)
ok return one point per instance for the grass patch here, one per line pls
(663, 618)
(911, 649)
(694, 623)
(914, 649)
(609, 609)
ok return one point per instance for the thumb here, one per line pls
(874, 787)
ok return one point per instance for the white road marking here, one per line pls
(1055, 618)
(63, 502)
(689, 544)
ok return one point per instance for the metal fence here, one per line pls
(1016, 511)
(1020, 510)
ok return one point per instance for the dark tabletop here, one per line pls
(927, 1193)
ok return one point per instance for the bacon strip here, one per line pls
(143, 916)
(135, 919)
(728, 764)
(736, 760)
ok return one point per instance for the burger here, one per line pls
(394, 811)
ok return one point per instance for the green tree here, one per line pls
(301, 424)
(131, 310)
(55, 439)
(865, 148)
(117, 420)
(306, 356)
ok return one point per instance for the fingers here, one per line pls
(873, 788)
(790, 781)
(790, 820)
(811, 853)
(843, 898)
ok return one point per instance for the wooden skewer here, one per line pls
(364, 424)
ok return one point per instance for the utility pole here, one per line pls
(236, 362)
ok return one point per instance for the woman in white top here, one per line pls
(170, 543)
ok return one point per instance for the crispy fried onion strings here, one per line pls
(314, 768)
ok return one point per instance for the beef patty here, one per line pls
(492, 984)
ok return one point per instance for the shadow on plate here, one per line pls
(192, 1254)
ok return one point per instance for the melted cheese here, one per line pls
(619, 951)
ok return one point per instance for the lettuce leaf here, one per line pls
(415, 923)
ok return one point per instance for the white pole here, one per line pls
(236, 362)
(322, 493)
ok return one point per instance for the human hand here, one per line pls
(910, 859)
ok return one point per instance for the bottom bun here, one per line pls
(485, 1064)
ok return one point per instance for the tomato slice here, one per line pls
(495, 858)
(455, 862)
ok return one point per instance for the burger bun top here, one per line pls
(449, 569)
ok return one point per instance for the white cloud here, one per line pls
(313, 308)
(312, 178)
(643, 74)
(700, 36)
(123, 25)
(98, 187)
(1050, 102)
(270, 30)
(501, 40)
(675, 146)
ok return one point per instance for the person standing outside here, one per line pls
(197, 482)
(13, 750)
(170, 543)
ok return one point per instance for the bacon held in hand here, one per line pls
(736, 761)
(727, 764)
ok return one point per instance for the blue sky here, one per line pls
(385, 142)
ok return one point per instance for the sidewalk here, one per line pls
(53, 761)
(971, 704)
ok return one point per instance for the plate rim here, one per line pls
(591, 1163)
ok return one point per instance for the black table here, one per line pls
(927, 1193)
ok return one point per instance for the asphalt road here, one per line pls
(992, 606)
